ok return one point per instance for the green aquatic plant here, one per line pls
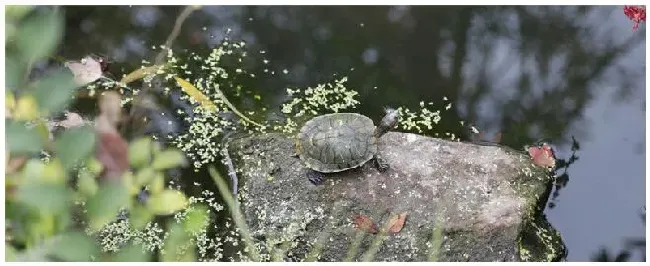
(205, 88)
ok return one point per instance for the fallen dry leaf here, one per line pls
(542, 155)
(71, 120)
(364, 223)
(140, 73)
(85, 71)
(196, 94)
(396, 223)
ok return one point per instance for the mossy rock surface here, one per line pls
(485, 200)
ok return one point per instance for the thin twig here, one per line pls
(436, 241)
(175, 31)
(236, 214)
(354, 247)
(232, 107)
(317, 249)
(374, 246)
(232, 173)
(159, 59)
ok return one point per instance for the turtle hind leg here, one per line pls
(381, 164)
(315, 177)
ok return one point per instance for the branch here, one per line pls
(144, 92)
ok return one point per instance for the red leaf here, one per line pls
(542, 155)
(112, 150)
(365, 223)
(396, 223)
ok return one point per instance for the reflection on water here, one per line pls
(561, 74)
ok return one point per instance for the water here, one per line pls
(530, 73)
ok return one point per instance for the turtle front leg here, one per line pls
(381, 164)
(315, 177)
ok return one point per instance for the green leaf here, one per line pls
(33, 171)
(15, 13)
(63, 220)
(144, 176)
(196, 219)
(10, 252)
(178, 246)
(75, 246)
(157, 185)
(75, 144)
(47, 198)
(94, 166)
(104, 206)
(10, 31)
(168, 159)
(54, 92)
(39, 34)
(139, 217)
(167, 202)
(140, 152)
(14, 73)
(21, 139)
(131, 253)
(54, 172)
(38, 252)
(86, 184)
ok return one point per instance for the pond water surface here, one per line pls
(528, 73)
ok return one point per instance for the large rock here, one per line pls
(463, 202)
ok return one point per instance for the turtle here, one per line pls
(338, 142)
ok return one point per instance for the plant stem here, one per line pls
(235, 212)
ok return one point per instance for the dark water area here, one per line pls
(551, 73)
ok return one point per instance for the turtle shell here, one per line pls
(336, 142)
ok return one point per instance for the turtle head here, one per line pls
(388, 122)
(297, 151)
(298, 146)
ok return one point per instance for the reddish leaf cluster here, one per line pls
(636, 14)
(542, 155)
(365, 223)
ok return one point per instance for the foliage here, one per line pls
(56, 196)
